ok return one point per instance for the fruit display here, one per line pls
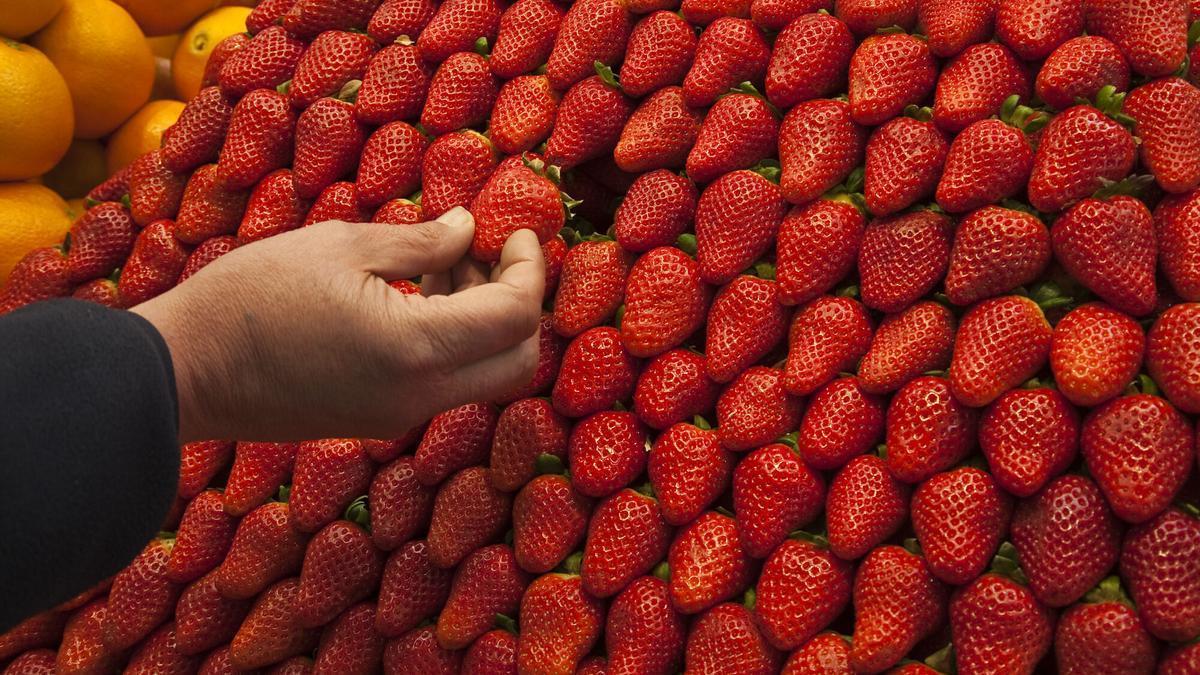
(871, 342)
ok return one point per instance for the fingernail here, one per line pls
(457, 218)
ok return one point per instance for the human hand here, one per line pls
(299, 336)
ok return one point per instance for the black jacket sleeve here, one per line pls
(88, 441)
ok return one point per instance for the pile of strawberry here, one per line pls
(951, 356)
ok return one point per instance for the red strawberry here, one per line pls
(152, 268)
(737, 219)
(607, 452)
(704, 12)
(1001, 343)
(1179, 660)
(960, 517)
(329, 475)
(1067, 539)
(928, 430)
(627, 537)
(390, 166)
(488, 583)
(660, 51)
(775, 15)
(419, 649)
(334, 59)
(467, 513)
(454, 169)
(596, 372)
(100, 240)
(258, 470)
(34, 662)
(493, 653)
(591, 116)
(268, 60)
(227, 48)
(412, 589)
(658, 208)
(204, 619)
(217, 662)
(154, 191)
(689, 470)
(817, 247)
(206, 253)
(141, 597)
(400, 504)
(456, 439)
(995, 251)
(745, 323)
(159, 653)
(591, 31)
(904, 163)
(708, 564)
(560, 623)
(842, 422)
(592, 286)
(525, 431)
(307, 18)
(82, 650)
(665, 302)
(202, 539)
(866, 506)
(730, 51)
(1080, 150)
(887, 74)
(819, 147)
(1151, 33)
(1080, 68)
(828, 652)
(774, 493)
(828, 335)
(197, 135)
(100, 291)
(329, 140)
(1104, 635)
(527, 32)
(726, 638)
(549, 521)
(659, 134)
(337, 202)
(1034, 29)
(1109, 246)
(350, 644)
(802, 589)
(554, 252)
(998, 624)
(644, 633)
(199, 462)
(1179, 243)
(273, 208)
(1159, 563)
(865, 17)
(461, 94)
(208, 208)
(1172, 353)
(515, 198)
(902, 258)
(1168, 123)
(265, 548)
(739, 131)
(954, 25)
(524, 113)
(457, 26)
(270, 632)
(975, 84)
(399, 212)
(341, 567)
(114, 187)
(1028, 436)
(756, 409)
(400, 18)
(809, 60)
(40, 630)
(897, 603)
(394, 85)
(989, 161)
(673, 388)
(1095, 353)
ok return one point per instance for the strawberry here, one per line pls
(560, 623)
(454, 169)
(34, 662)
(809, 60)
(707, 563)
(592, 286)
(689, 470)
(1081, 148)
(928, 430)
(704, 12)
(726, 638)
(100, 240)
(296, 665)
(455, 439)
(141, 597)
(399, 212)
(842, 422)
(775, 15)
(515, 198)
(419, 649)
(897, 603)
(828, 652)
(461, 94)
(1180, 660)
(1179, 243)
(412, 589)
(525, 431)
(954, 25)
(265, 549)
(626, 538)
(100, 291)
(396, 19)
(817, 247)
(488, 583)
(394, 85)
(204, 619)
(226, 48)
(1109, 246)
(989, 161)
(549, 521)
(400, 504)
(333, 59)
(1167, 112)
(904, 163)
(866, 506)
(1152, 34)
(998, 625)
(257, 472)
(828, 336)
(153, 267)
(596, 372)
(995, 251)
(774, 493)
(341, 567)
(199, 462)
(665, 302)
(209, 208)
(350, 644)
(660, 134)
(337, 202)
(756, 409)
(737, 219)
(383, 451)
(206, 253)
(154, 191)
(268, 60)
(159, 653)
(887, 74)
(196, 137)
(1080, 68)
(390, 166)
(1095, 352)
(1001, 342)
(660, 52)
(802, 589)
(1159, 563)
(591, 31)
(746, 322)
(329, 140)
(493, 652)
(644, 633)
(819, 147)
(202, 539)
(273, 208)
(975, 83)
(673, 388)
(1104, 635)
(528, 29)
(1173, 350)
(1034, 29)
(259, 140)
(865, 17)
(739, 131)
(270, 632)
(39, 630)
(730, 51)
(114, 187)
(467, 513)
(658, 208)
(524, 113)
(308, 18)
(960, 517)
(457, 26)
(554, 252)
(607, 451)
(902, 258)
(590, 120)
(1028, 436)
(217, 662)
(329, 475)
(82, 650)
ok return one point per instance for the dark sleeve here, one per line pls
(88, 445)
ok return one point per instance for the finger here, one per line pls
(496, 375)
(469, 273)
(437, 283)
(521, 261)
(423, 248)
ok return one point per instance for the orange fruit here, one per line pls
(164, 46)
(187, 68)
(36, 118)
(21, 18)
(141, 133)
(163, 17)
(31, 216)
(81, 169)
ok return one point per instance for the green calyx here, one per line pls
(769, 169)
(481, 47)
(942, 660)
(284, 88)
(284, 493)
(748, 89)
(791, 440)
(763, 270)
(1023, 117)
(1132, 186)
(814, 538)
(1005, 563)
(1111, 102)
(607, 76)
(850, 191)
(359, 513)
(851, 291)
(1194, 34)
(750, 599)
(573, 563)
(505, 622)
(687, 244)
(919, 113)
(700, 423)
(1144, 384)
(1109, 590)
(1049, 296)
(662, 571)
(349, 91)
(548, 464)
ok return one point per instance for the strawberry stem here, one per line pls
(573, 563)
(700, 423)
(504, 622)
(1109, 590)
(549, 464)
(1006, 563)
(663, 571)
(284, 493)
(607, 76)
(359, 513)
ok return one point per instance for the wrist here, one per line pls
(165, 316)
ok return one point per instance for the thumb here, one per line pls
(405, 251)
